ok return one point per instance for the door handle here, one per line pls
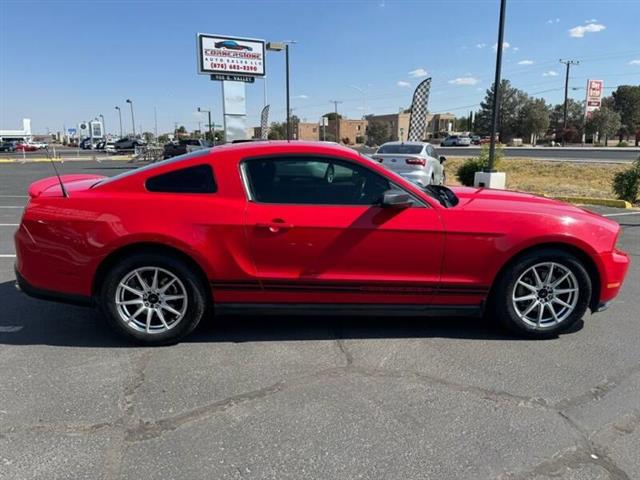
(275, 226)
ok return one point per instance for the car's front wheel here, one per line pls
(153, 299)
(542, 294)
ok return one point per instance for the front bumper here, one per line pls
(613, 270)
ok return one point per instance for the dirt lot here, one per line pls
(552, 178)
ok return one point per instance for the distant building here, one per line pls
(398, 124)
(350, 131)
(307, 131)
(24, 134)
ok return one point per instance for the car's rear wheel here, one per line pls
(542, 294)
(153, 299)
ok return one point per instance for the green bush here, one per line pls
(626, 185)
(622, 144)
(466, 172)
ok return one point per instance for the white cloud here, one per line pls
(303, 96)
(418, 72)
(464, 81)
(593, 20)
(553, 20)
(525, 62)
(580, 30)
(516, 49)
(481, 45)
(550, 73)
(402, 83)
(505, 45)
(634, 62)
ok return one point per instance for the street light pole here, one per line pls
(335, 104)
(211, 132)
(568, 64)
(496, 88)
(133, 120)
(104, 129)
(286, 60)
(120, 118)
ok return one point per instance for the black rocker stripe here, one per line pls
(346, 287)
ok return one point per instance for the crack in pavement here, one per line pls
(117, 448)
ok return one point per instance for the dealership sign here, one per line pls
(223, 55)
(594, 97)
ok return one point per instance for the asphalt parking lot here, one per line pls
(312, 398)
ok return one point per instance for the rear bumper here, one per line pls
(24, 286)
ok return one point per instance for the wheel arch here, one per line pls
(146, 247)
(586, 259)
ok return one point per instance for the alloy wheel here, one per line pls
(151, 300)
(545, 295)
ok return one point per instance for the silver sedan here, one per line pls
(416, 161)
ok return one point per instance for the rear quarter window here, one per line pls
(196, 179)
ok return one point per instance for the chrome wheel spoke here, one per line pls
(167, 298)
(562, 279)
(137, 312)
(531, 307)
(526, 297)
(143, 284)
(553, 312)
(547, 280)
(154, 282)
(149, 316)
(526, 285)
(137, 301)
(560, 302)
(540, 313)
(132, 290)
(563, 291)
(167, 285)
(537, 277)
(170, 309)
(162, 319)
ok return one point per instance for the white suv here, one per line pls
(418, 162)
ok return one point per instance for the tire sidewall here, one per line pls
(196, 297)
(503, 293)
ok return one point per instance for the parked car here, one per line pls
(232, 45)
(110, 147)
(456, 141)
(88, 144)
(129, 143)
(475, 139)
(416, 161)
(7, 147)
(25, 147)
(236, 236)
(173, 149)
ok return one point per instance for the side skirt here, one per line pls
(322, 309)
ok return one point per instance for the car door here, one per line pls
(318, 233)
(438, 168)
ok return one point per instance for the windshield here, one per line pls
(402, 148)
(179, 158)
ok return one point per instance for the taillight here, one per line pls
(416, 161)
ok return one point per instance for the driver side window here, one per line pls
(313, 180)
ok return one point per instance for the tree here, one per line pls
(575, 116)
(377, 133)
(332, 116)
(278, 131)
(603, 122)
(534, 120)
(512, 101)
(626, 101)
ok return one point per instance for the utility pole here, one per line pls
(496, 87)
(155, 123)
(568, 64)
(133, 120)
(335, 104)
(120, 118)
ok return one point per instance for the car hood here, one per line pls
(517, 202)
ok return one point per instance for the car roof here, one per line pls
(405, 143)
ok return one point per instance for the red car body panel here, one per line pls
(270, 253)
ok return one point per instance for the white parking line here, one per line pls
(11, 328)
(621, 214)
(9, 224)
(14, 196)
(3, 206)
(8, 255)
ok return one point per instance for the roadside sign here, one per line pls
(594, 97)
(71, 131)
(233, 78)
(221, 54)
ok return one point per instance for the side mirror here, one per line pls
(442, 159)
(396, 199)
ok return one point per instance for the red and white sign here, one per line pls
(219, 54)
(594, 97)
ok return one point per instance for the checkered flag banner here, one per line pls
(418, 119)
(264, 123)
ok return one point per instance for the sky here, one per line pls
(62, 62)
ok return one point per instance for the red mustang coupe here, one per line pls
(309, 228)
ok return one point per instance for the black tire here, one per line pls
(501, 304)
(197, 297)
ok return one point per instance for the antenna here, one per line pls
(53, 164)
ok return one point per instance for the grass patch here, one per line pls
(555, 179)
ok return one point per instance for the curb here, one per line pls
(605, 202)
(62, 160)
